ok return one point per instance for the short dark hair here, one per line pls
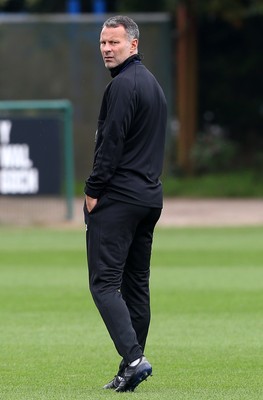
(129, 25)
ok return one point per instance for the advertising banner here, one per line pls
(30, 156)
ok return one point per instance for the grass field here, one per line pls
(206, 336)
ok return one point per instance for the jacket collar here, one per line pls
(116, 70)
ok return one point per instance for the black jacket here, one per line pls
(130, 138)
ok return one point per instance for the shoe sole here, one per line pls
(140, 376)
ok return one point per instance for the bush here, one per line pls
(213, 153)
(235, 184)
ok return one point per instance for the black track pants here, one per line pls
(119, 241)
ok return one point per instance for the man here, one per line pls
(124, 198)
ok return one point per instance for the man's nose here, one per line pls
(107, 47)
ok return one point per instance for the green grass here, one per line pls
(232, 184)
(206, 336)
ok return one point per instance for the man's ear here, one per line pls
(134, 45)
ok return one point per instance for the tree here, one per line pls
(186, 15)
(186, 81)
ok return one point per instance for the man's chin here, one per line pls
(110, 65)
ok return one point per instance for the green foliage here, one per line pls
(213, 153)
(230, 81)
(140, 6)
(231, 184)
(205, 337)
(232, 11)
(33, 5)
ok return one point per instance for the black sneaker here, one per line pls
(114, 384)
(133, 376)
(117, 378)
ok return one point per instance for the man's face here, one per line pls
(115, 46)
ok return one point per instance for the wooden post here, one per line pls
(186, 80)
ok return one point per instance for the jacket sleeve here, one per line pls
(111, 135)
